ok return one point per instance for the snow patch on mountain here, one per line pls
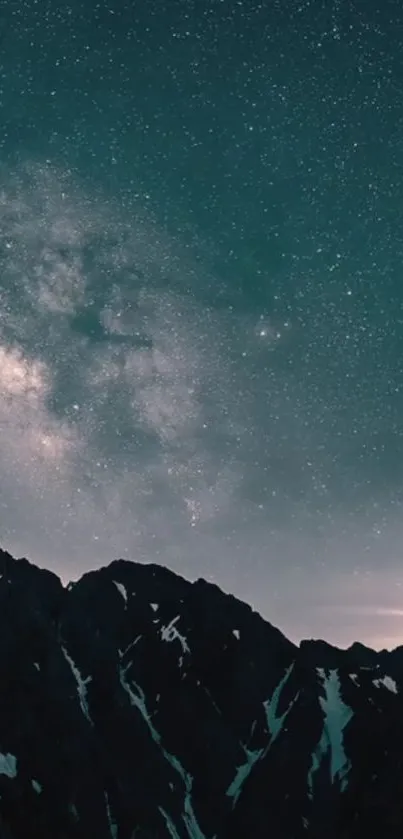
(387, 682)
(81, 685)
(336, 716)
(8, 765)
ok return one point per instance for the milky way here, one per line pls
(201, 308)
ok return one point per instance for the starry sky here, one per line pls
(201, 299)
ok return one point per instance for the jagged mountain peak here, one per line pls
(135, 703)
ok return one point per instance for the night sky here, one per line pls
(201, 298)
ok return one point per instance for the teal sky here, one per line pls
(201, 300)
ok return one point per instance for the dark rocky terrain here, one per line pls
(137, 705)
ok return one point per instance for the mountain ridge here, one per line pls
(135, 703)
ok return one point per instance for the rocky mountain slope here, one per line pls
(137, 705)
